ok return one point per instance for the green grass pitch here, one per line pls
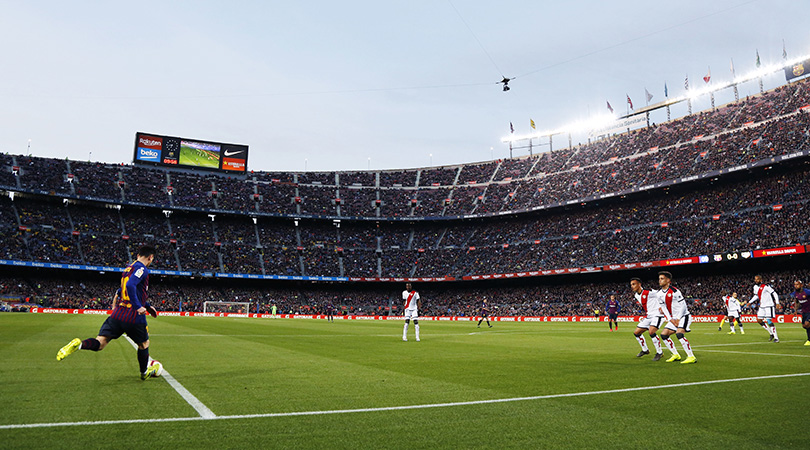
(201, 158)
(240, 367)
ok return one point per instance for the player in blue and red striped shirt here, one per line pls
(613, 309)
(128, 315)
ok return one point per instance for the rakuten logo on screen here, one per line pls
(150, 142)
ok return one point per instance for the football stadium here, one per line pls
(644, 287)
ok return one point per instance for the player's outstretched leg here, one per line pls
(68, 349)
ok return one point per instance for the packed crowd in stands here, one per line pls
(763, 212)
(703, 293)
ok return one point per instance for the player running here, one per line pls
(734, 312)
(649, 302)
(801, 302)
(768, 299)
(484, 313)
(412, 304)
(679, 320)
(128, 315)
(613, 309)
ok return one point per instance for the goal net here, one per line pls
(226, 307)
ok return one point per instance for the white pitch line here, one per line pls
(195, 403)
(393, 408)
(740, 343)
(757, 353)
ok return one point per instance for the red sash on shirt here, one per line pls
(669, 299)
(644, 294)
(410, 297)
(759, 291)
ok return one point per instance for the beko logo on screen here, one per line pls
(149, 142)
(144, 153)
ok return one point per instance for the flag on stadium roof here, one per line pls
(648, 95)
(666, 92)
(511, 127)
(629, 102)
(608, 106)
(759, 63)
(784, 52)
(732, 67)
(708, 76)
(531, 123)
(686, 82)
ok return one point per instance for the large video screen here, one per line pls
(181, 152)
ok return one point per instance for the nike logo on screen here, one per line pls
(227, 153)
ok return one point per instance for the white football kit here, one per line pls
(676, 305)
(732, 305)
(768, 299)
(411, 304)
(649, 302)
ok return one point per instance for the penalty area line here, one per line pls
(396, 408)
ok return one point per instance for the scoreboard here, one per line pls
(189, 153)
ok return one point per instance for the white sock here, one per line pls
(643, 343)
(405, 331)
(686, 346)
(732, 328)
(766, 328)
(773, 332)
(657, 343)
(416, 327)
(671, 346)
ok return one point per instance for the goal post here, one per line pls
(226, 307)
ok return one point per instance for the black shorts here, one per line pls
(805, 317)
(113, 328)
(613, 317)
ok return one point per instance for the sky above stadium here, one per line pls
(362, 84)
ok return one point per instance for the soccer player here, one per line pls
(412, 304)
(128, 315)
(679, 319)
(613, 308)
(768, 299)
(734, 312)
(801, 302)
(484, 313)
(330, 312)
(649, 302)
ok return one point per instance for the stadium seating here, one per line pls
(93, 213)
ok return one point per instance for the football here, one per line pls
(157, 363)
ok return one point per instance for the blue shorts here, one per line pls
(805, 317)
(613, 317)
(113, 328)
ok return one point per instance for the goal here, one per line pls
(226, 307)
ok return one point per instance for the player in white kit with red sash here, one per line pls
(677, 313)
(412, 303)
(649, 302)
(768, 300)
